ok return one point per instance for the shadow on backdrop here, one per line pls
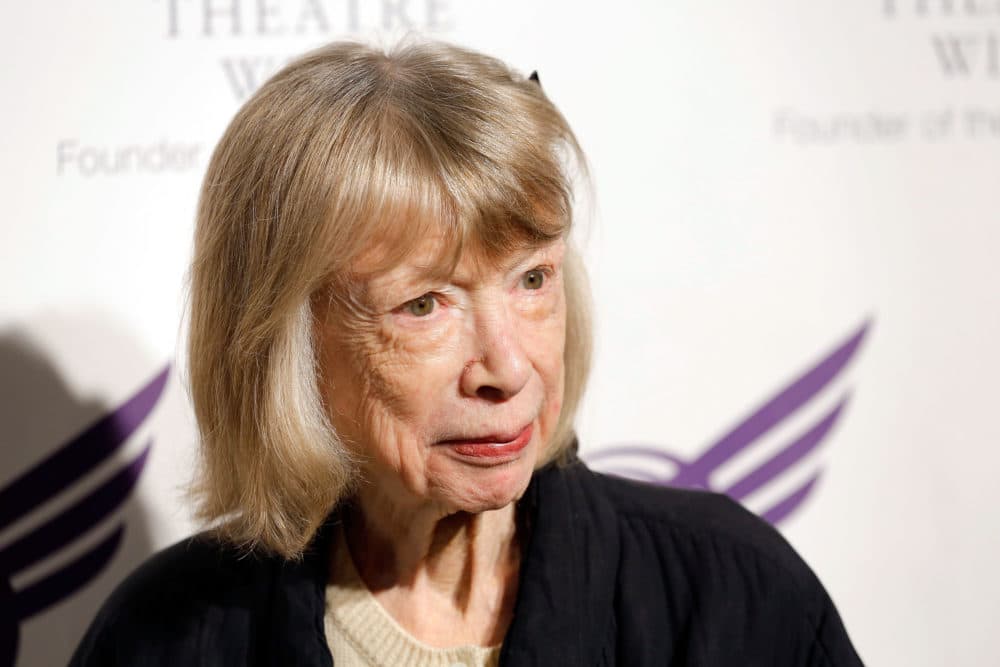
(68, 528)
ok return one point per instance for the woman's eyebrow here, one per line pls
(420, 273)
(542, 250)
(423, 273)
(407, 278)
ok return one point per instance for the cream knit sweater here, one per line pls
(361, 633)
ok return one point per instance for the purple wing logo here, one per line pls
(46, 481)
(641, 461)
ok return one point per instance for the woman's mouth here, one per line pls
(495, 446)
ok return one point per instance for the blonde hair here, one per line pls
(333, 152)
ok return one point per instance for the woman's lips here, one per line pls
(490, 447)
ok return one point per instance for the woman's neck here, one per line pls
(448, 579)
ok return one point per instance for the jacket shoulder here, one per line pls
(170, 600)
(692, 514)
(722, 563)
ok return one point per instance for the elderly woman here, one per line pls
(389, 339)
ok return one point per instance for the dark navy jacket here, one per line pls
(615, 573)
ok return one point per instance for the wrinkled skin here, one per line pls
(419, 358)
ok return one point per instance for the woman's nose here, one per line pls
(500, 368)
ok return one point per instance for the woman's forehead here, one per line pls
(431, 251)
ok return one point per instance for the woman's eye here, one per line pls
(533, 279)
(421, 306)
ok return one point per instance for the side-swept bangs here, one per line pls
(348, 148)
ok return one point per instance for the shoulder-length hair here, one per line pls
(339, 148)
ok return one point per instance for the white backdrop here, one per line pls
(771, 177)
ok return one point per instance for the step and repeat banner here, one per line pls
(793, 248)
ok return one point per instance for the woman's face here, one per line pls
(449, 387)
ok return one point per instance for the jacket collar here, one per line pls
(564, 610)
(298, 605)
(565, 602)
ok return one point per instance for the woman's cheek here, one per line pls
(544, 319)
(414, 357)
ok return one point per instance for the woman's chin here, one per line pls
(473, 487)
